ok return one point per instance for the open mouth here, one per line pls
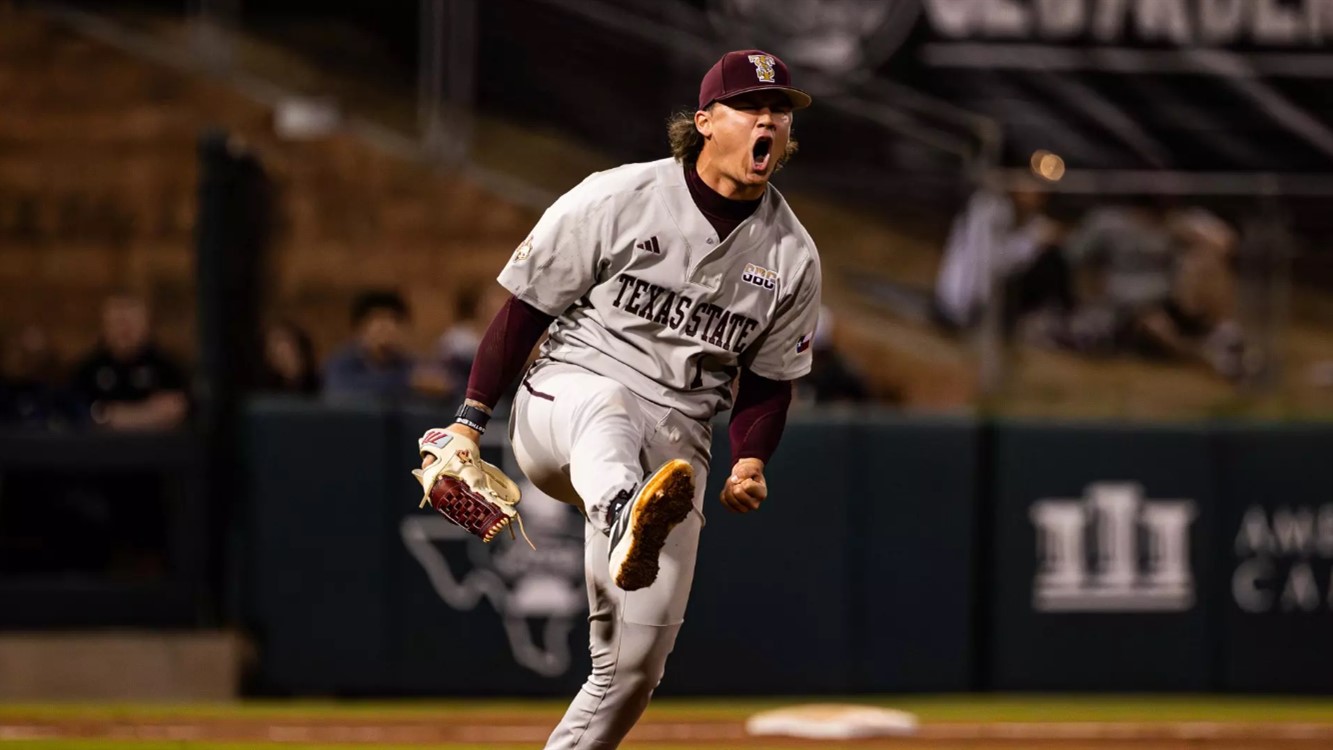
(762, 153)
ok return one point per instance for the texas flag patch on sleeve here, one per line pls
(804, 343)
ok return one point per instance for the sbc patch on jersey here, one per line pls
(804, 343)
(760, 277)
(523, 251)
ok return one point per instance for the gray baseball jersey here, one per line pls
(644, 291)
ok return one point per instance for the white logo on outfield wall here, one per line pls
(539, 595)
(1113, 551)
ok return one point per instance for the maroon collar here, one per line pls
(724, 214)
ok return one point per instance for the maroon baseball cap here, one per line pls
(746, 70)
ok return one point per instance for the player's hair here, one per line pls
(687, 141)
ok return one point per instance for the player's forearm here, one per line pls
(504, 351)
(759, 416)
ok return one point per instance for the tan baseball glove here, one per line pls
(463, 488)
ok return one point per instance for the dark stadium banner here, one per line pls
(1216, 85)
(1196, 85)
(1101, 559)
(1276, 558)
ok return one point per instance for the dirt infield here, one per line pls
(481, 730)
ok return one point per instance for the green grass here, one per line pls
(170, 745)
(986, 708)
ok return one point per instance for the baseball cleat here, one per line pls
(643, 522)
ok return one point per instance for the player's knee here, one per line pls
(641, 683)
(639, 674)
(629, 672)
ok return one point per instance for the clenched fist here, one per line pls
(745, 489)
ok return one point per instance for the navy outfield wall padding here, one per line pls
(849, 548)
(316, 546)
(768, 608)
(1275, 582)
(1122, 558)
(915, 532)
(1103, 558)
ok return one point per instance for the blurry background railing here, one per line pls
(1010, 227)
(528, 97)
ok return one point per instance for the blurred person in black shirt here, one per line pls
(289, 361)
(30, 394)
(127, 383)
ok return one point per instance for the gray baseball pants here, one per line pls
(581, 438)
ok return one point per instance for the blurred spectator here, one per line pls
(832, 380)
(1203, 298)
(375, 363)
(289, 361)
(1006, 240)
(30, 394)
(126, 382)
(1124, 260)
(1157, 283)
(457, 346)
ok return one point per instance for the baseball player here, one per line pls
(662, 285)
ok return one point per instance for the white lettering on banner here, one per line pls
(1319, 20)
(832, 36)
(1185, 22)
(1284, 560)
(1008, 18)
(955, 18)
(1118, 36)
(1245, 585)
(1301, 592)
(1275, 24)
(1163, 21)
(1325, 535)
(1060, 19)
(1294, 531)
(1110, 20)
(1220, 20)
(1119, 581)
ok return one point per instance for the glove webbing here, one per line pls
(473, 511)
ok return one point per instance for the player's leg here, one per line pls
(632, 633)
(576, 436)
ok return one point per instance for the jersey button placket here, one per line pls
(699, 271)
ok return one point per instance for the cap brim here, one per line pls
(799, 99)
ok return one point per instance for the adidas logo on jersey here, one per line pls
(760, 277)
(650, 245)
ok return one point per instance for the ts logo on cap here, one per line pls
(763, 67)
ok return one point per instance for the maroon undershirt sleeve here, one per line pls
(504, 349)
(758, 417)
